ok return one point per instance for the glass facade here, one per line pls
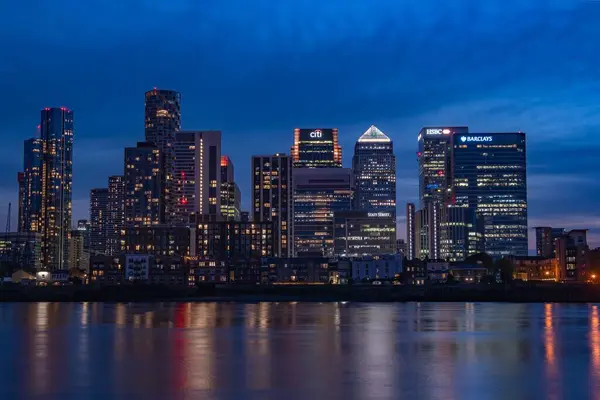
(318, 194)
(98, 220)
(374, 166)
(363, 233)
(162, 122)
(47, 181)
(461, 233)
(434, 157)
(316, 148)
(230, 192)
(490, 176)
(272, 198)
(116, 214)
(144, 185)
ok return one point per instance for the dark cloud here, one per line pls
(258, 70)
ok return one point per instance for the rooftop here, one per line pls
(373, 134)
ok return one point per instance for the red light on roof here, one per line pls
(46, 109)
(184, 201)
(224, 161)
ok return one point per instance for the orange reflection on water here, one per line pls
(594, 338)
(552, 372)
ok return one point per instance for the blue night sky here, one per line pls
(256, 69)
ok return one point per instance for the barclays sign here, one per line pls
(466, 139)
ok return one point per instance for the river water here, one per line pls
(299, 351)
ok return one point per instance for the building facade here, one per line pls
(197, 177)
(98, 220)
(410, 231)
(272, 199)
(78, 257)
(434, 156)
(30, 204)
(572, 254)
(490, 175)
(374, 166)
(427, 232)
(233, 241)
(364, 233)
(144, 185)
(545, 238)
(158, 241)
(316, 148)
(318, 194)
(21, 250)
(116, 214)
(230, 192)
(461, 233)
(162, 122)
(51, 185)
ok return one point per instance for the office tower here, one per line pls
(30, 204)
(434, 156)
(21, 250)
(84, 226)
(22, 194)
(374, 166)
(116, 214)
(197, 177)
(272, 198)
(230, 192)
(50, 161)
(316, 148)
(144, 185)
(461, 233)
(490, 176)
(545, 238)
(318, 194)
(162, 122)
(572, 254)
(401, 247)
(427, 235)
(78, 256)
(364, 233)
(98, 220)
(410, 231)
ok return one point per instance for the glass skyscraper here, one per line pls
(98, 220)
(316, 148)
(230, 192)
(162, 122)
(489, 175)
(374, 166)
(272, 199)
(318, 194)
(46, 186)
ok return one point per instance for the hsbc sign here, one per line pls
(437, 131)
(316, 134)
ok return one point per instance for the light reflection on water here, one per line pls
(300, 350)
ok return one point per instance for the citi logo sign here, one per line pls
(316, 134)
(475, 139)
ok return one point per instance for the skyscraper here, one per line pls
(144, 185)
(435, 171)
(272, 199)
(116, 214)
(461, 233)
(47, 186)
(316, 148)
(364, 233)
(162, 122)
(374, 166)
(318, 194)
(230, 192)
(98, 220)
(410, 231)
(197, 177)
(490, 175)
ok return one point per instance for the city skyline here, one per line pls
(560, 142)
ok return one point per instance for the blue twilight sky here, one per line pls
(256, 69)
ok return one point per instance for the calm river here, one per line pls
(299, 351)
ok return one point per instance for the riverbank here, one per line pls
(321, 293)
